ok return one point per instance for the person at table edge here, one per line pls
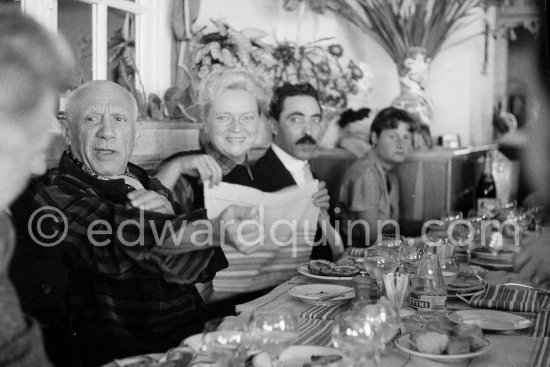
(34, 66)
(113, 286)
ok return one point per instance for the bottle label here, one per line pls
(426, 302)
(487, 206)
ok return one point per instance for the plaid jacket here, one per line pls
(136, 297)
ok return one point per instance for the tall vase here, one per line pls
(413, 74)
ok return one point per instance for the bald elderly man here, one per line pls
(108, 262)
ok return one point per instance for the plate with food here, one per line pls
(304, 356)
(490, 320)
(464, 284)
(492, 254)
(452, 346)
(176, 357)
(492, 264)
(322, 294)
(328, 271)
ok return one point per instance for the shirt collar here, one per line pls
(227, 164)
(116, 190)
(291, 163)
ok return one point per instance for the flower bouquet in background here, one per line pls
(227, 47)
(412, 32)
(322, 66)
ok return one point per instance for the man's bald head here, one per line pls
(101, 126)
(97, 89)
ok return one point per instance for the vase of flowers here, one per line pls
(413, 74)
(412, 32)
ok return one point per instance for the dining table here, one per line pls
(528, 346)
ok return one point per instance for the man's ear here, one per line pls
(138, 133)
(373, 139)
(65, 130)
(273, 126)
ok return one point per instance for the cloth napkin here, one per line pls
(321, 312)
(357, 251)
(500, 297)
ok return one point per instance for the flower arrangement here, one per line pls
(319, 64)
(226, 47)
(399, 25)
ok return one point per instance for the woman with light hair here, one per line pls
(231, 103)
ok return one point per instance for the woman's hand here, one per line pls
(203, 166)
(150, 200)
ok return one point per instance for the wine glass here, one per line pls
(394, 243)
(380, 261)
(363, 333)
(448, 216)
(449, 269)
(223, 340)
(273, 332)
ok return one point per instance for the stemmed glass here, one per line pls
(394, 243)
(273, 332)
(380, 261)
(223, 340)
(448, 216)
(363, 333)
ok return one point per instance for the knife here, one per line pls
(332, 296)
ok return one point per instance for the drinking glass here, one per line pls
(363, 333)
(224, 342)
(380, 261)
(394, 243)
(449, 269)
(448, 216)
(273, 332)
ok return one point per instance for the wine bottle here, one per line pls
(486, 191)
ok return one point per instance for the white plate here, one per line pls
(302, 269)
(310, 293)
(404, 343)
(491, 264)
(490, 320)
(297, 355)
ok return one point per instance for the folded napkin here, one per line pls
(500, 297)
(357, 251)
(321, 312)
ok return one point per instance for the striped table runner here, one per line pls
(500, 297)
(325, 312)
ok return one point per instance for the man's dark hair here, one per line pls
(350, 115)
(389, 118)
(290, 90)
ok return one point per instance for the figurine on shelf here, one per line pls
(174, 109)
(155, 106)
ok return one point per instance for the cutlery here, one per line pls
(332, 296)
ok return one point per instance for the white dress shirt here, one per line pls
(295, 166)
(301, 173)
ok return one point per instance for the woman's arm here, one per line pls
(196, 165)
